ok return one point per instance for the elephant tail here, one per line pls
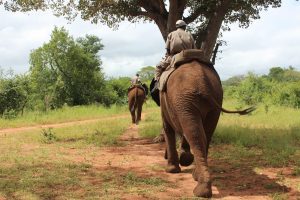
(240, 112)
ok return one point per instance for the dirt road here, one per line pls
(146, 159)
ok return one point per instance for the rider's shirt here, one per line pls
(179, 40)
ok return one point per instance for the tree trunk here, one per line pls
(166, 24)
(162, 25)
(213, 28)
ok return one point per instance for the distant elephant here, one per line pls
(136, 98)
(191, 107)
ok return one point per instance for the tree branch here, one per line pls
(197, 12)
(213, 60)
(173, 15)
(181, 7)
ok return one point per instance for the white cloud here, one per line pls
(270, 41)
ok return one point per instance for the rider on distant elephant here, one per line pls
(136, 80)
(177, 41)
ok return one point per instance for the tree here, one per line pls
(120, 87)
(276, 73)
(233, 81)
(146, 73)
(284, 74)
(206, 18)
(14, 94)
(67, 71)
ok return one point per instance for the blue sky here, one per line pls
(273, 40)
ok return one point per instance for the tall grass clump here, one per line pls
(152, 125)
(102, 133)
(275, 134)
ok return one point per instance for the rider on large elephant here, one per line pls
(177, 41)
(191, 97)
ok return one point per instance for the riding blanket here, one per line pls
(181, 58)
(144, 87)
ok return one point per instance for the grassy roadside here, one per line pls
(59, 163)
(42, 164)
(247, 145)
(64, 114)
(273, 135)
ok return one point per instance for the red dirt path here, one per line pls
(141, 156)
(144, 158)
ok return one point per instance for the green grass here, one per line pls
(273, 136)
(64, 114)
(65, 180)
(41, 180)
(278, 196)
(151, 126)
(103, 133)
(281, 118)
(40, 164)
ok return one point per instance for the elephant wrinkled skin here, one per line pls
(191, 107)
(136, 98)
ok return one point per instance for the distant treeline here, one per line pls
(63, 71)
(281, 86)
(67, 71)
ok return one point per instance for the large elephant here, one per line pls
(136, 98)
(191, 106)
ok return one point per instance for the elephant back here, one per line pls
(143, 87)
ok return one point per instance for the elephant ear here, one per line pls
(154, 91)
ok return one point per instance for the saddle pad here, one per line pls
(188, 55)
(135, 86)
(165, 76)
(181, 58)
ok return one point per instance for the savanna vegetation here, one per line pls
(63, 162)
(279, 87)
(63, 72)
(66, 83)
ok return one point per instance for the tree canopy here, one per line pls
(146, 73)
(205, 17)
(65, 70)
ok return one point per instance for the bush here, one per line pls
(13, 95)
(280, 87)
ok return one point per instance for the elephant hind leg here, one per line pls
(210, 124)
(171, 151)
(186, 158)
(139, 111)
(195, 135)
(132, 113)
